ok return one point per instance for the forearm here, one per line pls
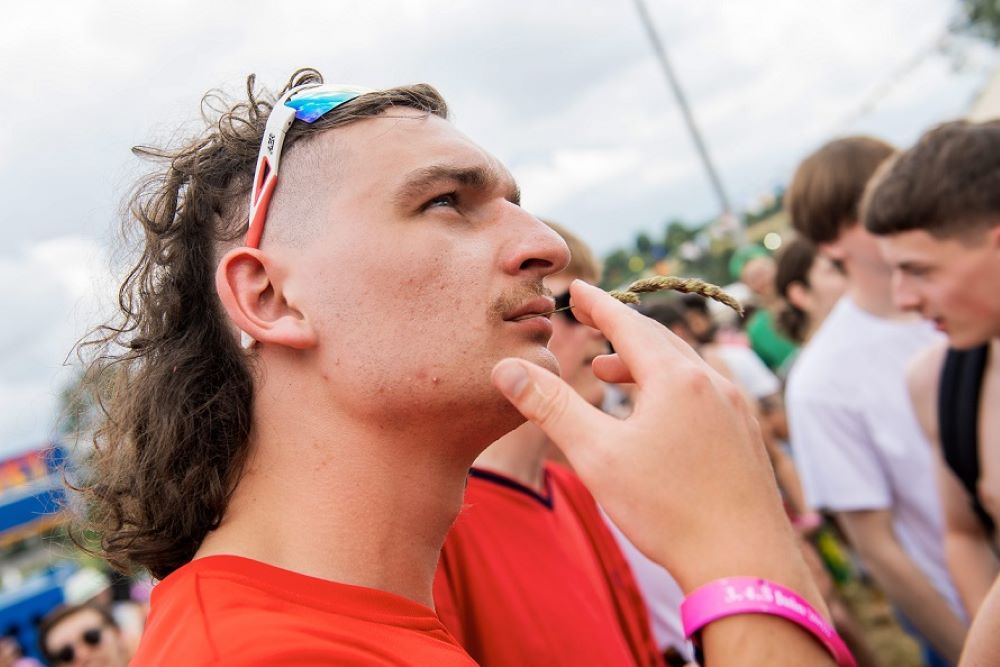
(973, 566)
(909, 590)
(788, 479)
(752, 639)
(984, 637)
(785, 473)
(737, 640)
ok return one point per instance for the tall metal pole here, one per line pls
(675, 86)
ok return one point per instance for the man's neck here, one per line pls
(345, 501)
(870, 289)
(519, 455)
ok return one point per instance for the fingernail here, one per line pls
(583, 284)
(510, 377)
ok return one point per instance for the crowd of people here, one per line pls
(362, 408)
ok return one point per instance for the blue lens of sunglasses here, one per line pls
(312, 104)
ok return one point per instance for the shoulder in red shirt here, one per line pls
(229, 610)
(528, 578)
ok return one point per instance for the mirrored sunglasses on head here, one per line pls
(67, 654)
(307, 103)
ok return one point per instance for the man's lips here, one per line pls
(533, 308)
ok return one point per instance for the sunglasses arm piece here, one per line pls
(265, 176)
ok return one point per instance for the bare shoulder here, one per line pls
(922, 377)
(924, 370)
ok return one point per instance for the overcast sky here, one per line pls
(567, 94)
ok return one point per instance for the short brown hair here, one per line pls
(582, 263)
(947, 184)
(62, 612)
(174, 388)
(826, 190)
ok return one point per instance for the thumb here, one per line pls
(548, 402)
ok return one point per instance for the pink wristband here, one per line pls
(749, 595)
(808, 522)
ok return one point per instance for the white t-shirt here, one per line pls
(662, 595)
(856, 441)
(750, 373)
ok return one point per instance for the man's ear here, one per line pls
(798, 295)
(250, 288)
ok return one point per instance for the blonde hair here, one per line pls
(582, 263)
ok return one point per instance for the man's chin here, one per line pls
(966, 340)
(547, 360)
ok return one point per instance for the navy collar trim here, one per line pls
(514, 485)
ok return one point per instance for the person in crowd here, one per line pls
(754, 267)
(530, 553)
(855, 438)
(810, 285)
(12, 655)
(694, 324)
(936, 212)
(82, 634)
(296, 389)
(802, 517)
(734, 358)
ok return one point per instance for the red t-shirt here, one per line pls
(228, 610)
(530, 579)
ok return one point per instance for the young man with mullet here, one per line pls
(857, 443)
(530, 553)
(936, 211)
(293, 409)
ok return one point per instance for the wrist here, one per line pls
(749, 549)
(734, 596)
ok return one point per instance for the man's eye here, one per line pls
(449, 199)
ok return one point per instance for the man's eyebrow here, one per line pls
(419, 181)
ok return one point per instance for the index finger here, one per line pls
(641, 343)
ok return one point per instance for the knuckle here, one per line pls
(733, 395)
(694, 379)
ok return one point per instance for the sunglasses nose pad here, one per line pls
(92, 637)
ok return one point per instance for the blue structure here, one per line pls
(23, 608)
(31, 496)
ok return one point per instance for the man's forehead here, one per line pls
(407, 146)
(912, 246)
(79, 618)
(403, 130)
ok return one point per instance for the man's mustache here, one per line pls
(511, 300)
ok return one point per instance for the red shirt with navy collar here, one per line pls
(538, 579)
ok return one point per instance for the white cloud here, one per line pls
(568, 94)
(568, 172)
(55, 298)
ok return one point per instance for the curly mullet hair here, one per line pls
(173, 386)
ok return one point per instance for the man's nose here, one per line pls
(536, 247)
